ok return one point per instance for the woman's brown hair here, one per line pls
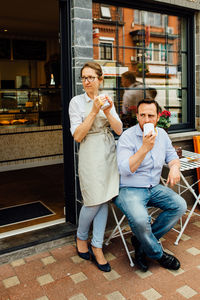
(95, 66)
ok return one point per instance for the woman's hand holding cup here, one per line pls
(106, 102)
(96, 105)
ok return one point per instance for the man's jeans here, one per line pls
(134, 203)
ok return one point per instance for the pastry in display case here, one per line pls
(17, 108)
(30, 107)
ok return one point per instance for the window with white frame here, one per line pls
(159, 53)
(105, 12)
(153, 53)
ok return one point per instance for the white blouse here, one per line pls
(77, 111)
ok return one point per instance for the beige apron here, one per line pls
(98, 171)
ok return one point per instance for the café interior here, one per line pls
(30, 102)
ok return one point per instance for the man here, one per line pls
(135, 93)
(140, 162)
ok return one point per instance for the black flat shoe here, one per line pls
(169, 261)
(83, 255)
(140, 257)
(105, 268)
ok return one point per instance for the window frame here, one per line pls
(105, 42)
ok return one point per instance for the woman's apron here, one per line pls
(98, 171)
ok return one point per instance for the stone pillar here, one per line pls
(82, 42)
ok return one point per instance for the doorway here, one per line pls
(30, 97)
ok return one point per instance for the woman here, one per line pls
(98, 172)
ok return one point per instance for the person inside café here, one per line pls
(135, 91)
(140, 161)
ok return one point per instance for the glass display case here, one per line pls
(30, 107)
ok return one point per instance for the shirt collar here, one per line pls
(87, 98)
(139, 130)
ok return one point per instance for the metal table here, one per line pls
(189, 161)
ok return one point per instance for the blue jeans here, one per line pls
(97, 214)
(134, 203)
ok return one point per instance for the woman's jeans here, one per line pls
(134, 203)
(98, 214)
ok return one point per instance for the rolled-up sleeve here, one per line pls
(170, 151)
(124, 151)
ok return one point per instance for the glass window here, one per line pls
(136, 16)
(152, 46)
(148, 18)
(106, 51)
(156, 56)
(105, 12)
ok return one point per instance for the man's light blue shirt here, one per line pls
(149, 172)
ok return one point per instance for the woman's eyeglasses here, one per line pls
(89, 78)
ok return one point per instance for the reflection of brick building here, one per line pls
(134, 39)
(107, 25)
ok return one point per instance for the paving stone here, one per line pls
(162, 239)
(115, 296)
(186, 292)
(76, 259)
(176, 272)
(143, 275)
(196, 224)
(78, 277)
(18, 262)
(45, 279)
(112, 275)
(12, 281)
(185, 237)
(6, 271)
(78, 297)
(151, 294)
(177, 226)
(48, 260)
(168, 251)
(109, 256)
(193, 251)
(37, 256)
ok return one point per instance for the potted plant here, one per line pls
(140, 67)
(164, 121)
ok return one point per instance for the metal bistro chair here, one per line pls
(121, 230)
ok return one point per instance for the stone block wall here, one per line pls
(82, 42)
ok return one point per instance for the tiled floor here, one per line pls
(59, 274)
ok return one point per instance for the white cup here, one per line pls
(147, 127)
(106, 103)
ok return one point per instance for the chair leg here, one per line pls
(113, 234)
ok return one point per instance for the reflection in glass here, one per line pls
(151, 45)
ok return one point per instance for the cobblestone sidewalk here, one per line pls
(59, 274)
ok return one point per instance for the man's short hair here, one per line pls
(129, 75)
(149, 101)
